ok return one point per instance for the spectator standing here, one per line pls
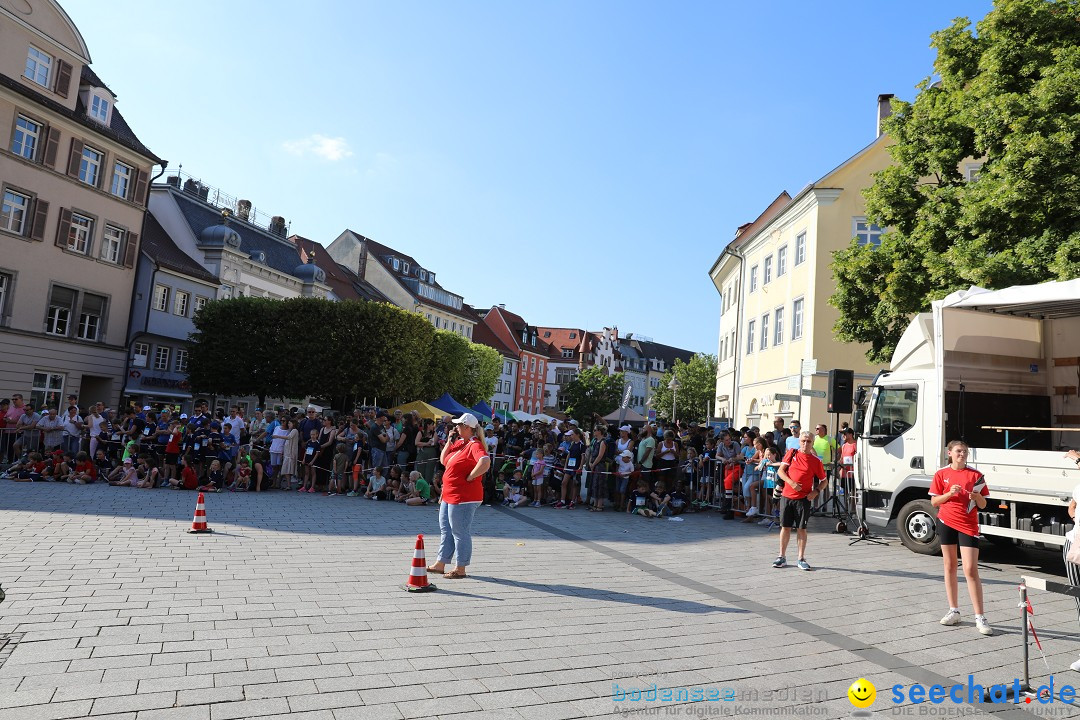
(377, 439)
(466, 460)
(73, 430)
(29, 435)
(96, 422)
(646, 450)
(289, 449)
(427, 450)
(52, 428)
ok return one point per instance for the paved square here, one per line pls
(294, 607)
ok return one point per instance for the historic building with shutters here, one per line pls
(74, 180)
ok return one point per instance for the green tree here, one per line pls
(593, 392)
(696, 391)
(449, 359)
(482, 369)
(1006, 97)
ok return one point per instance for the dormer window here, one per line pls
(395, 263)
(431, 278)
(99, 109)
(404, 268)
(423, 275)
(573, 335)
(38, 65)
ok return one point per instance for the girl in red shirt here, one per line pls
(958, 492)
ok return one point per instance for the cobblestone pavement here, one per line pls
(294, 607)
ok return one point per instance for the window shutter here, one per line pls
(52, 144)
(41, 215)
(130, 249)
(140, 187)
(63, 78)
(75, 157)
(63, 228)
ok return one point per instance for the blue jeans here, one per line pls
(455, 526)
(378, 458)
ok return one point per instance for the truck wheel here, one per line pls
(915, 523)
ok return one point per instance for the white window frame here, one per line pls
(80, 234)
(181, 301)
(135, 354)
(869, 235)
(200, 303)
(99, 109)
(14, 204)
(972, 170)
(90, 165)
(781, 261)
(749, 338)
(180, 363)
(766, 271)
(405, 267)
(764, 342)
(26, 140)
(532, 365)
(161, 298)
(83, 329)
(162, 357)
(778, 326)
(798, 310)
(753, 278)
(566, 353)
(7, 281)
(112, 240)
(37, 62)
(800, 248)
(121, 179)
(60, 314)
(40, 391)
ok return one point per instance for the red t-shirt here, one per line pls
(173, 445)
(804, 469)
(87, 467)
(959, 512)
(461, 458)
(189, 479)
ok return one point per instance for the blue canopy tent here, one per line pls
(449, 405)
(483, 410)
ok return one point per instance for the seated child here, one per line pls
(215, 478)
(126, 476)
(402, 488)
(30, 470)
(102, 463)
(659, 499)
(242, 477)
(421, 491)
(680, 501)
(376, 485)
(147, 475)
(84, 472)
(638, 502)
(515, 492)
(188, 480)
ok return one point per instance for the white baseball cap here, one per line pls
(625, 428)
(626, 454)
(467, 419)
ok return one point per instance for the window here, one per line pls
(161, 358)
(532, 365)
(27, 135)
(90, 165)
(800, 248)
(507, 370)
(161, 298)
(541, 367)
(866, 233)
(423, 275)
(80, 234)
(48, 389)
(90, 316)
(764, 331)
(405, 268)
(225, 293)
(13, 212)
(121, 180)
(530, 390)
(61, 306)
(396, 263)
(431, 277)
(200, 302)
(971, 171)
(750, 337)
(111, 242)
(37, 66)
(181, 360)
(778, 326)
(139, 353)
(573, 335)
(753, 278)
(895, 411)
(453, 326)
(796, 319)
(181, 302)
(99, 109)
(6, 282)
(767, 271)
(781, 261)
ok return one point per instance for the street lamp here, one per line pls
(674, 387)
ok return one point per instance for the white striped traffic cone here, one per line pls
(198, 525)
(418, 581)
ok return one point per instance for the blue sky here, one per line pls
(582, 162)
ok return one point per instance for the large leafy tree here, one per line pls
(482, 369)
(1008, 95)
(449, 358)
(593, 392)
(695, 393)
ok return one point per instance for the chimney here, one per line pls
(243, 209)
(884, 110)
(277, 225)
(502, 306)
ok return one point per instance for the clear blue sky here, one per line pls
(582, 162)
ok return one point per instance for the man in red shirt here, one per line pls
(803, 476)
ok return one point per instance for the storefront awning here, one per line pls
(154, 392)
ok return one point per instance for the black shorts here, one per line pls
(171, 458)
(951, 536)
(794, 513)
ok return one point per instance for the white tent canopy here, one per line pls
(632, 416)
(1046, 300)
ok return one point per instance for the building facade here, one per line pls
(778, 279)
(506, 384)
(532, 356)
(563, 363)
(73, 178)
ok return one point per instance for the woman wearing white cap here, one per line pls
(466, 460)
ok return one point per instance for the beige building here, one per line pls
(403, 281)
(775, 281)
(74, 181)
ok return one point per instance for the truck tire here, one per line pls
(915, 524)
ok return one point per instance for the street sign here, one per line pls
(809, 367)
(794, 382)
(789, 398)
(814, 393)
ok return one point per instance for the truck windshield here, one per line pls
(894, 411)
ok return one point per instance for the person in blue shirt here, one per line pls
(229, 447)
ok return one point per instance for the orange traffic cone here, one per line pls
(418, 574)
(198, 525)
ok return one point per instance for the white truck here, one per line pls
(1000, 370)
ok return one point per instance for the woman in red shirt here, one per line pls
(466, 460)
(958, 492)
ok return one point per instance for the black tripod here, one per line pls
(863, 533)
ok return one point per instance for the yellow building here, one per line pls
(775, 281)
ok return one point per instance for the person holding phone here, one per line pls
(466, 460)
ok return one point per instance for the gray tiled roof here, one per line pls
(159, 247)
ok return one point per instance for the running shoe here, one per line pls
(951, 618)
(983, 626)
(779, 562)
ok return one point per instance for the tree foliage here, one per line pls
(696, 392)
(482, 369)
(1009, 97)
(593, 391)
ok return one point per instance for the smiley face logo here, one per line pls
(862, 693)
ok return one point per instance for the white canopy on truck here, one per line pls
(1047, 300)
